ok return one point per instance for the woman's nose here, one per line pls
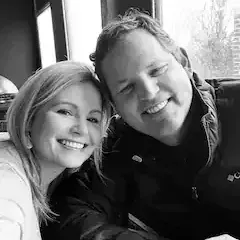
(80, 127)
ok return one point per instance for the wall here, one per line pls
(19, 53)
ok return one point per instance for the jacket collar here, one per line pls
(209, 119)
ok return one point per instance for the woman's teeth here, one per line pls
(72, 144)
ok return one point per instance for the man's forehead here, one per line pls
(127, 54)
(139, 40)
(131, 54)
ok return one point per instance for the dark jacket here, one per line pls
(187, 192)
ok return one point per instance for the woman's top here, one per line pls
(18, 219)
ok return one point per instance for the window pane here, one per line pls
(46, 37)
(83, 24)
(210, 32)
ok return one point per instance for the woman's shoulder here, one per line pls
(10, 156)
(16, 204)
(13, 181)
(17, 214)
(7, 148)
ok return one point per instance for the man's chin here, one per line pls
(169, 135)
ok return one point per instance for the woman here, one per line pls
(57, 121)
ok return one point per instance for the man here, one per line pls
(166, 173)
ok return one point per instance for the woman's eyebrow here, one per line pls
(96, 111)
(64, 103)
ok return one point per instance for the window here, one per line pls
(46, 37)
(210, 32)
(83, 24)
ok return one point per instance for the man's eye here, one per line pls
(64, 112)
(93, 120)
(127, 89)
(158, 71)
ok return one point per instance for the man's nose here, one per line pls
(147, 88)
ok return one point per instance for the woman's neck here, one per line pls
(49, 171)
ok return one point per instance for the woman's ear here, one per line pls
(28, 141)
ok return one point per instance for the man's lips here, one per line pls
(155, 108)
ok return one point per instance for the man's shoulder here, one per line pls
(228, 103)
(226, 87)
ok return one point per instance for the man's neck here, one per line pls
(191, 120)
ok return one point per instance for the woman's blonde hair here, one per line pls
(39, 89)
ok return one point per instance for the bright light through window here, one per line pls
(83, 21)
(46, 38)
(210, 32)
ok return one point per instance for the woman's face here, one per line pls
(67, 129)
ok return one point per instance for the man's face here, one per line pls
(151, 90)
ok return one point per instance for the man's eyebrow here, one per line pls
(156, 63)
(152, 64)
(122, 81)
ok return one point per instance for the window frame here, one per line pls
(59, 26)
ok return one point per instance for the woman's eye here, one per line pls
(64, 112)
(158, 71)
(93, 120)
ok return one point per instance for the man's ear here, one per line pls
(185, 62)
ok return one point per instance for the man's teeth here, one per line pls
(72, 144)
(157, 107)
